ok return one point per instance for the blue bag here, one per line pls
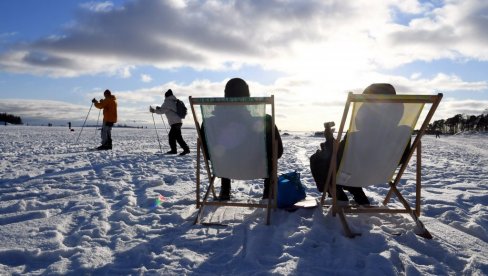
(290, 189)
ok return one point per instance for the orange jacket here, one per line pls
(109, 106)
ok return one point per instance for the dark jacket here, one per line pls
(320, 160)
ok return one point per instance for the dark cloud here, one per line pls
(159, 33)
(219, 34)
(441, 36)
(44, 60)
(477, 23)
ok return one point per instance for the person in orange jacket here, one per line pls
(109, 106)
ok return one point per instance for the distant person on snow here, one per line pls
(169, 109)
(109, 106)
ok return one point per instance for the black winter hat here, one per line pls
(168, 93)
(380, 88)
(236, 87)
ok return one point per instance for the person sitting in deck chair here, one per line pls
(321, 159)
(237, 87)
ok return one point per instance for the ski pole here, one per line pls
(157, 135)
(164, 124)
(84, 124)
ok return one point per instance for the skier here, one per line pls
(109, 106)
(169, 109)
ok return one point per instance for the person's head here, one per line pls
(376, 111)
(168, 93)
(107, 93)
(380, 88)
(236, 87)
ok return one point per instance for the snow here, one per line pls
(66, 210)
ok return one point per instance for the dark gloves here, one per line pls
(94, 100)
(329, 132)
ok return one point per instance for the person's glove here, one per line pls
(329, 132)
(94, 100)
(151, 109)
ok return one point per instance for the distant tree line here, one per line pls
(11, 119)
(460, 123)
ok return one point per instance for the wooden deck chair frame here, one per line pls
(201, 202)
(330, 184)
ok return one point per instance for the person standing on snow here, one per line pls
(169, 109)
(109, 106)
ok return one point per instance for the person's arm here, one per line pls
(277, 137)
(329, 138)
(98, 104)
(169, 105)
(204, 141)
(158, 110)
(280, 143)
(405, 153)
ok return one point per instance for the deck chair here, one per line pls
(380, 128)
(232, 142)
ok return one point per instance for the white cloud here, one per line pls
(315, 36)
(450, 107)
(125, 72)
(146, 78)
(6, 36)
(299, 105)
(43, 112)
(98, 6)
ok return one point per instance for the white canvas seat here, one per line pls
(380, 129)
(232, 142)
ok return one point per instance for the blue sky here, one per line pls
(56, 55)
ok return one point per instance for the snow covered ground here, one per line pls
(65, 210)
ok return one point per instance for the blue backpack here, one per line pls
(290, 189)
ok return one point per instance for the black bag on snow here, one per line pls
(319, 166)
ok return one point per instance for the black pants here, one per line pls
(225, 188)
(357, 193)
(175, 136)
(106, 134)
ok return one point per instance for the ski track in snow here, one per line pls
(66, 210)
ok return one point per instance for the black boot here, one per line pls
(104, 147)
(358, 195)
(225, 190)
(185, 151)
(341, 195)
(267, 182)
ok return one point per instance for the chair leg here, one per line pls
(205, 198)
(271, 198)
(413, 213)
(198, 174)
(268, 212)
(345, 225)
(424, 233)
